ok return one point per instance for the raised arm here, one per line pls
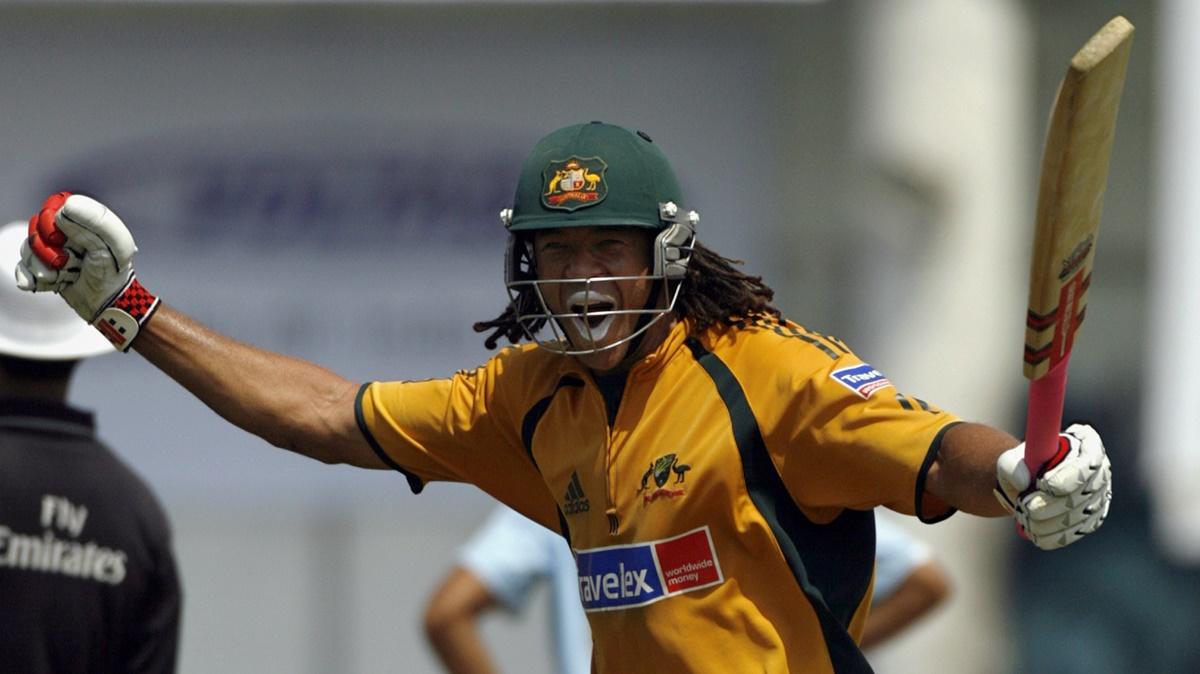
(964, 473)
(981, 470)
(82, 251)
(288, 402)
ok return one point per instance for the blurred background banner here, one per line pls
(324, 179)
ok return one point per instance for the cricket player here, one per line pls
(712, 465)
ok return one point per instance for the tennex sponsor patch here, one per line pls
(625, 576)
(862, 379)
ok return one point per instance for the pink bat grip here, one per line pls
(1044, 416)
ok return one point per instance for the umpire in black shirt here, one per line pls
(88, 581)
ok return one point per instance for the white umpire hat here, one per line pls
(38, 326)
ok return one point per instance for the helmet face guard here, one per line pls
(594, 175)
(672, 253)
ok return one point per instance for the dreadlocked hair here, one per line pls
(714, 290)
(506, 324)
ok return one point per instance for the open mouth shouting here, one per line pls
(594, 314)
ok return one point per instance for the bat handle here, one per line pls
(1044, 416)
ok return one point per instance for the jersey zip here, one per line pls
(610, 486)
(611, 449)
(610, 495)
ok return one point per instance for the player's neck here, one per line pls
(647, 344)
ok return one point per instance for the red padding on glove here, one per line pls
(47, 228)
(55, 258)
(45, 238)
(1064, 448)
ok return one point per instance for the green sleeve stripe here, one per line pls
(832, 563)
(808, 336)
(930, 456)
(414, 483)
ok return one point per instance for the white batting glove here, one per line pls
(82, 251)
(1069, 500)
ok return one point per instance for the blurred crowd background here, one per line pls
(324, 179)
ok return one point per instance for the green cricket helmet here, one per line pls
(594, 175)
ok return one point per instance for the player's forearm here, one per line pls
(964, 473)
(461, 648)
(925, 588)
(288, 402)
(452, 622)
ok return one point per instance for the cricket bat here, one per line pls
(1070, 198)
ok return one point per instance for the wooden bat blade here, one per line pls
(1071, 194)
(1070, 199)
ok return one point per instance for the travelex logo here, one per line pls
(626, 576)
(862, 379)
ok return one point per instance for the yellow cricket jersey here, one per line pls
(722, 522)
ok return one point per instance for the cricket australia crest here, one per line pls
(574, 183)
(661, 471)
